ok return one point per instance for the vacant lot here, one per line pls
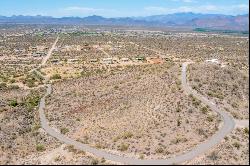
(23, 141)
(227, 86)
(140, 110)
(20, 132)
(233, 150)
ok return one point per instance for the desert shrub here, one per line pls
(246, 130)
(141, 156)
(38, 76)
(210, 118)
(235, 115)
(12, 81)
(30, 82)
(159, 150)
(127, 135)
(201, 131)
(204, 110)
(13, 87)
(86, 73)
(179, 140)
(237, 145)
(235, 105)
(64, 130)
(176, 141)
(123, 147)
(116, 139)
(219, 96)
(210, 94)
(32, 101)
(196, 103)
(178, 110)
(3, 86)
(36, 127)
(71, 148)
(13, 103)
(56, 77)
(103, 160)
(178, 122)
(40, 148)
(213, 156)
(94, 162)
(100, 146)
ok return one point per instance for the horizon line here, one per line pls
(123, 16)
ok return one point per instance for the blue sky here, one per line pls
(120, 8)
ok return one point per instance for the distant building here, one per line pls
(140, 58)
(107, 61)
(154, 60)
(73, 60)
(33, 48)
(55, 61)
(38, 54)
(213, 61)
(93, 60)
(115, 60)
(125, 60)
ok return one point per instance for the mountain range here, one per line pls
(188, 20)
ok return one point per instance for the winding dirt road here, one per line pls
(227, 127)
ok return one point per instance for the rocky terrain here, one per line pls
(138, 111)
(20, 131)
(23, 141)
(120, 91)
(233, 150)
(227, 86)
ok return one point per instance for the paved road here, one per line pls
(228, 126)
(242, 123)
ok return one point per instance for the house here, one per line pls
(115, 60)
(85, 48)
(107, 61)
(38, 54)
(154, 60)
(23, 55)
(140, 58)
(213, 61)
(55, 61)
(72, 60)
(33, 48)
(93, 60)
(125, 60)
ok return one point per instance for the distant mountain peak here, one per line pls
(184, 19)
(95, 16)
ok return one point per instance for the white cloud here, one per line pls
(85, 11)
(81, 9)
(188, 1)
(156, 9)
(242, 7)
(235, 9)
(185, 1)
(199, 9)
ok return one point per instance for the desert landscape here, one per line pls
(121, 93)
